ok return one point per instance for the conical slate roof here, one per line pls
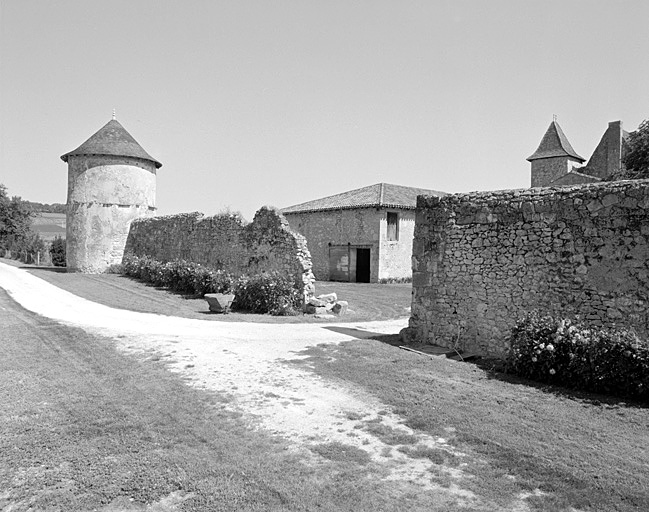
(555, 143)
(112, 139)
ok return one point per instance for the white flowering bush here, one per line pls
(559, 351)
(179, 275)
(268, 292)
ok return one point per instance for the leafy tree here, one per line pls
(15, 223)
(57, 252)
(636, 159)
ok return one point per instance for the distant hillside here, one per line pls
(49, 225)
(46, 208)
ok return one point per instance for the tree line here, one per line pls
(17, 237)
(636, 155)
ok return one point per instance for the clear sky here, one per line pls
(251, 103)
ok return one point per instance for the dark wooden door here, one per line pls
(362, 265)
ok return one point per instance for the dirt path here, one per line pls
(370, 301)
(249, 364)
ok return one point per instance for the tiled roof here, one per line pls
(586, 178)
(554, 143)
(112, 139)
(380, 195)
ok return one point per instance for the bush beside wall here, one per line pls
(558, 351)
(267, 292)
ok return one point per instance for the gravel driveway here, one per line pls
(250, 364)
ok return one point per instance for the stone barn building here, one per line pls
(555, 163)
(364, 235)
(111, 182)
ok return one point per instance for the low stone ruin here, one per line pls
(322, 306)
(219, 302)
(326, 306)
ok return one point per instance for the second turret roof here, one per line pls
(555, 143)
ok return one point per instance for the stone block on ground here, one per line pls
(328, 297)
(408, 335)
(219, 302)
(340, 307)
(317, 302)
(315, 310)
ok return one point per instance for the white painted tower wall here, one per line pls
(105, 194)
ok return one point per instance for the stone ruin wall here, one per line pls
(482, 260)
(224, 242)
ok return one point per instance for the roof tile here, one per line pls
(112, 139)
(554, 143)
(379, 195)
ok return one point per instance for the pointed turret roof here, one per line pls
(555, 143)
(112, 139)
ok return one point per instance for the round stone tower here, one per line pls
(111, 182)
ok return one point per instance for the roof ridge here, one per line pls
(381, 193)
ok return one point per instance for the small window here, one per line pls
(393, 226)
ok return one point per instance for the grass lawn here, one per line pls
(84, 427)
(367, 301)
(568, 450)
(83, 423)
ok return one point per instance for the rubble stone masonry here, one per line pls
(225, 242)
(482, 260)
(105, 193)
(358, 227)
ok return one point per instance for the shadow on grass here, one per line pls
(62, 270)
(496, 369)
(160, 288)
(361, 334)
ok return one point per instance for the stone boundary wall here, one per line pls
(482, 260)
(225, 242)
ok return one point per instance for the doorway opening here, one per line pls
(362, 265)
(350, 264)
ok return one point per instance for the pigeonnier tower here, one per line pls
(554, 157)
(111, 182)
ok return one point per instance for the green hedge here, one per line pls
(57, 252)
(558, 351)
(180, 275)
(268, 292)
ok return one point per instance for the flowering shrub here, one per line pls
(558, 351)
(207, 280)
(180, 276)
(268, 292)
